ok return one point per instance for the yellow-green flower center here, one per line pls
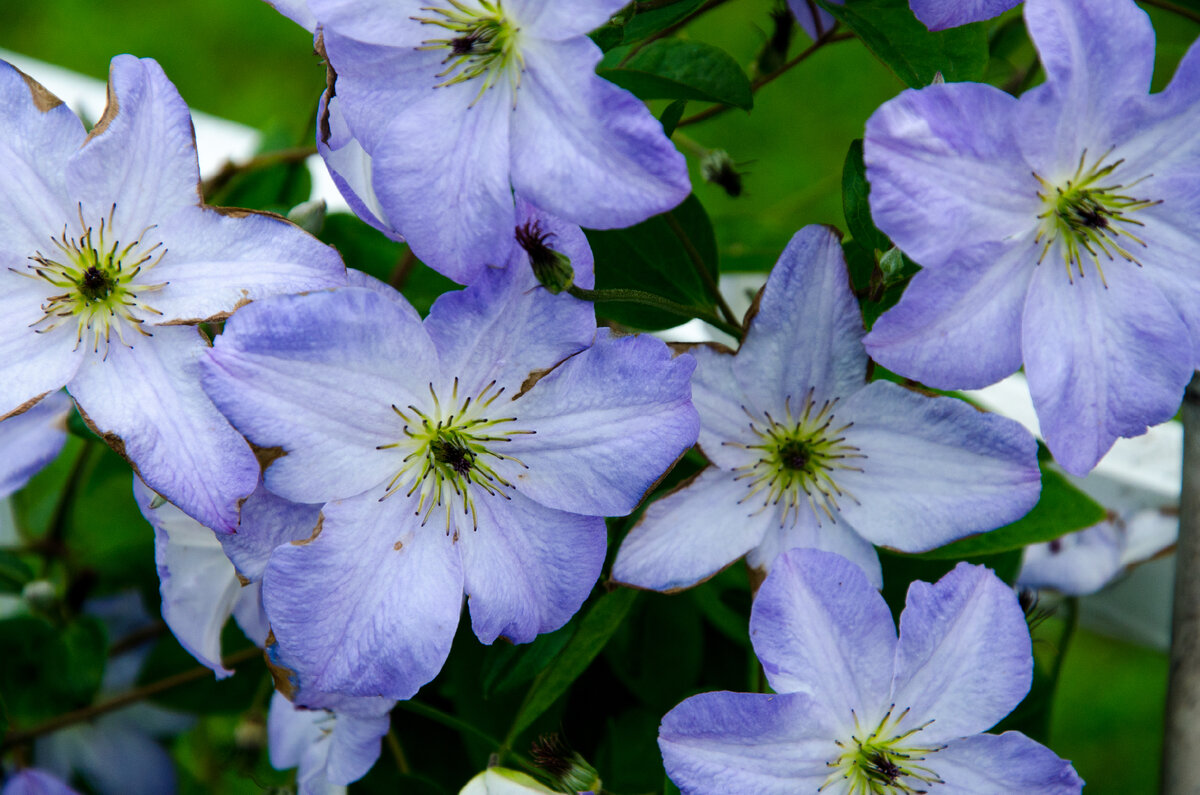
(450, 452)
(885, 761)
(800, 457)
(98, 280)
(1089, 217)
(482, 42)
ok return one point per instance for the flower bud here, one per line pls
(570, 771)
(552, 268)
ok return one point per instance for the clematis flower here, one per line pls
(331, 747)
(1056, 231)
(109, 261)
(206, 577)
(476, 451)
(805, 453)
(32, 781)
(438, 111)
(935, 14)
(855, 709)
(31, 440)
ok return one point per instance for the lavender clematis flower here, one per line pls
(857, 710)
(205, 577)
(1055, 230)
(32, 781)
(438, 111)
(333, 746)
(109, 260)
(435, 480)
(806, 454)
(935, 14)
(31, 440)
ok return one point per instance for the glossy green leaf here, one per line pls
(647, 23)
(680, 69)
(671, 116)
(595, 629)
(518, 665)
(14, 572)
(653, 257)
(46, 670)
(855, 191)
(901, 41)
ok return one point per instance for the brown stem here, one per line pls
(230, 170)
(125, 699)
(670, 29)
(402, 270)
(717, 110)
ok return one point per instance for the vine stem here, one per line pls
(829, 37)
(667, 31)
(1181, 736)
(66, 719)
(650, 299)
(710, 284)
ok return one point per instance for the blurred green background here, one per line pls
(240, 60)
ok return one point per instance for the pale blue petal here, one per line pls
(527, 568)
(112, 757)
(297, 11)
(32, 440)
(964, 659)
(945, 172)
(32, 364)
(561, 19)
(813, 20)
(369, 606)
(32, 781)
(141, 155)
(585, 150)
(147, 400)
(563, 237)
(609, 422)
(351, 168)
(723, 407)
(819, 627)
(718, 743)
(318, 375)
(1103, 360)
(936, 469)
(807, 335)
(805, 529)
(1076, 564)
(942, 14)
(691, 534)
(1011, 762)
(268, 521)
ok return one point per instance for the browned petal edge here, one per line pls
(266, 455)
(532, 379)
(24, 407)
(283, 676)
(757, 576)
(330, 85)
(316, 532)
(43, 99)
(110, 438)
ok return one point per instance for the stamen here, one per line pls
(483, 43)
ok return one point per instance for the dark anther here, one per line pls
(552, 268)
(95, 283)
(794, 455)
(884, 767)
(454, 454)
(464, 45)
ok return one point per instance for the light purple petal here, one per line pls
(943, 14)
(813, 20)
(1103, 361)
(565, 238)
(267, 522)
(964, 659)
(349, 165)
(936, 469)
(502, 329)
(369, 606)
(330, 748)
(747, 742)
(251, 616)
(1171, 236)
(355, 744)
(442, 177)
(31, 364)
(141, 155)
(1077, 564)
(806, 530)
(722, 405)
(379, 21)
(609, 422)
(37, 135)
(147, 398)
(32, 440)
(198, 583)
(1010, 762)
(808, 332)
(945, 172)
(113, 757)
(958, 327)
(297, 11)
(527, 568)
(586, 150)
(318, 375)
(819, 627)
(32, 781)
(691, 534)
(217, 260)
(560, 19)
(1098, 55)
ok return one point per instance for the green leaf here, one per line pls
(680, 69)
(899, 570)
(671, 116)
(601, 621)
(14, 572)
(855, 206)
(901, 41)
(658, 650)
(653, 258)
(647, 23)
(208, 695)
(1061, 509)
(518, 665)
(45, 670)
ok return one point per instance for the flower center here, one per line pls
(97, 279)
(482, 42)
(1089, 217)
(885, 761)
(799, 459)
(448, 454)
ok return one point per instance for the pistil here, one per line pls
(483, 43)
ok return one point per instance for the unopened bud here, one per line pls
(718, 168)
(309, 216)
(40, 594)
(570, 771)
(552, 268)
(773, 54)
(250, 734)
(891, 264)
